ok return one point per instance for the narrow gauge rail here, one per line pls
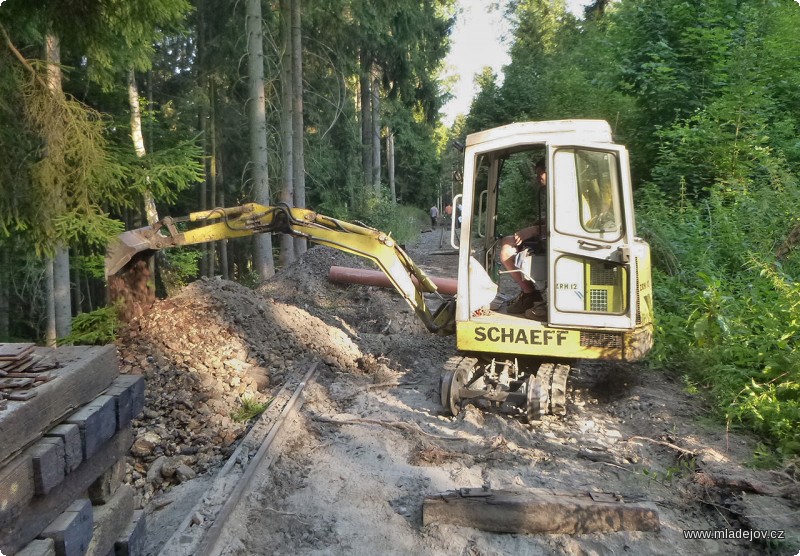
(200, 532)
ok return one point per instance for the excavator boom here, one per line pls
(249, 219)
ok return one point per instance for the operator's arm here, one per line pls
(531, 232)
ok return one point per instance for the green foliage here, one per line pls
(180, 266)
(164, 173)
(93, 265)
(249, 409)
(518, 203)
(95, 328)
(67, 187)
(727, 311)
(402, 222)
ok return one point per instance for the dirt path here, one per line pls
(356, 485)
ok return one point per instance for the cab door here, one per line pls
(591, 281)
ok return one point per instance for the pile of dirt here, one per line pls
(218, 345)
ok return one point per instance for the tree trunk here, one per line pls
(203, 116)
(262, 243)
(138, 142)
(223, 243)
(366, 120)
(287, 108)
(150, 212)
(75, 294)
(60, 267)
(390, 164)
(62, 291)
(298, 134)
(5, 294)
(376, 134)
(49, 303)
(212, 176)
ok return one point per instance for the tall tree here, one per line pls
(298, 134)
(62, 302)
(263, 263)
(287, 252)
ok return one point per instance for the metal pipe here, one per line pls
(346, 275)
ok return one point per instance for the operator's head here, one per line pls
(541, 173)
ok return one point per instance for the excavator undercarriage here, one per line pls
(530, 388)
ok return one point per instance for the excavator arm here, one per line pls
(249, 219)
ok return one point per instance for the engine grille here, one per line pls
(601, 340)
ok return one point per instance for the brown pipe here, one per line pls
(346, 275)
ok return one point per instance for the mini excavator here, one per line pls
(591, 269)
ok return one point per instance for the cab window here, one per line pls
(588, 198)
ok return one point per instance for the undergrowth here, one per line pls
(95, 328)
(402, 222)
(727, 309)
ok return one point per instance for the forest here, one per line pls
(111, 111)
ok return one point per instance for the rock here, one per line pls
(142, 447)
(170, 467)
(184, 473)
(154, 474)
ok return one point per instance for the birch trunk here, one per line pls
(151, 214)
(262, 243)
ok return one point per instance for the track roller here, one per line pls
(450, 389)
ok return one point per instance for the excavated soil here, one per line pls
(356, 486)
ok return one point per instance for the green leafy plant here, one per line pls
(95, 328)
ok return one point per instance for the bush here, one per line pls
(727, 311)
(402, 222)
(95, 328)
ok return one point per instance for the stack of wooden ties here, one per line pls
(21, 370)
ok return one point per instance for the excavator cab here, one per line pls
(591, 269)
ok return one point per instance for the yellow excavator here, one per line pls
(591, 269)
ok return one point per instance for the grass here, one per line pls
(249, 409)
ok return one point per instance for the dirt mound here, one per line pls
(217, 344)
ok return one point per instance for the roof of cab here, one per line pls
(553, 131)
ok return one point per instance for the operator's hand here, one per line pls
(525, 234)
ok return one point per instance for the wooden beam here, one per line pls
(23, 522)
(85, 372)
(537, 511)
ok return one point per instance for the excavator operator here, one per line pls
(529, 301)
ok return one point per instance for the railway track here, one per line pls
(201, 531)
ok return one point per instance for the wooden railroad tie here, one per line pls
(538, 511)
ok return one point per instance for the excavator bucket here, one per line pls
(126, 247)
